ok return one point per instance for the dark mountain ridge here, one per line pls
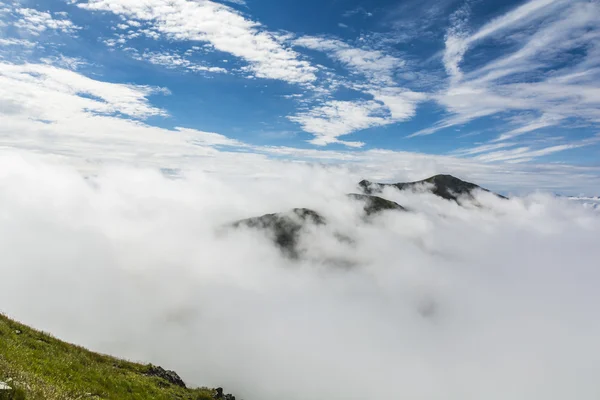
(285, 228)
(445, 186)
(375, 204)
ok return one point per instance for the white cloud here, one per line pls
(533, 77)
(482, 149)
(334, 118)
(129, 262)
(402, 103)
(66, 115)
(16, 42)
(238, 2)
(377, 66)
(209, 138)
(458, 40)
(35, 22)
(33, 85)
(338, 118)
(174, 60)
(355, 11)
(227, 30)
(523, 154)
(542, 122)
(456, 43)
(531, 10)
(222, 27)
(65, 62)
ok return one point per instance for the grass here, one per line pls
(39, 366)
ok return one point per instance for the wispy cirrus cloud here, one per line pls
(375, 65)
(482, 149)
(532, 77)
(238, 2)
(357, 11)
(524, 154)
(546, 120)
(459, 40)
(174, 60)
(520, 152)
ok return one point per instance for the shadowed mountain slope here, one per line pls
(375, 204)
(285, 228)
(445, 186)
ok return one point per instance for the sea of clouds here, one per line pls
(496, 301)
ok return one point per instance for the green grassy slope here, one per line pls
(39, 366)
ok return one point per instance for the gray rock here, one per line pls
(219, 395)
(169, 376)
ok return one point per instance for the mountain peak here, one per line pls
(445, 186)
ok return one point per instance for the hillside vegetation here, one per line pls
(37, 366)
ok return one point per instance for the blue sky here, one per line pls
(510, 85)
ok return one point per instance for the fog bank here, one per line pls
(497, 301)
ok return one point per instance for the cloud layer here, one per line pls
(86, 122)
(445, 302)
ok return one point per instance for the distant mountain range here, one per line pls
(285, 228)
(587, 202)
(595, 198)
